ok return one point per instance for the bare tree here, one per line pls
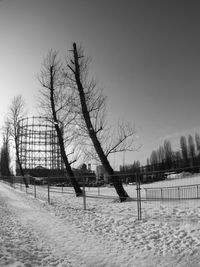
(191, 148)
(168, 153)
(184, 149)
(161, 154)
(5, 150)
(16, 113)
(91, 108)
(56, 107)
(197, 141)
(154, 157)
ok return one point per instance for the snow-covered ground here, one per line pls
(107, 233)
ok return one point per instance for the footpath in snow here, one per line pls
(34, 233)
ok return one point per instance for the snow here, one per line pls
(107, 233)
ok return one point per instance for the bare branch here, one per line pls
(73, 161)
(123, 141)
(70, 68)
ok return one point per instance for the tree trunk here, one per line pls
(20, 165)
(93, 135)
(68, 168)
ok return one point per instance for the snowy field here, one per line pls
(107, 233)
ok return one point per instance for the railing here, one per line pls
(173, 192)
(146, 197)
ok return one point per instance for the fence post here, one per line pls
(138, 188)
(48, 187)
(34, 189)
(161, 193)
(146, 190)
(20, 183)
(84, 194)
(178, 192)
(98, 191)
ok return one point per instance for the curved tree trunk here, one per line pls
(93, 135)
(68, 168)
(20, 166)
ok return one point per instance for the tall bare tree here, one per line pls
(184, 149)
(154, 158)
(191, 148)
(161, 154)
(197, 141)
(15, 114)
(168, 153)
(91, 106)
(56, 107)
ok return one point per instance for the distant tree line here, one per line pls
(188, 156)
(130, 168)
(165, 158)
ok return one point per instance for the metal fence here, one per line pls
(45, 189)
(173, 193)
(160, 199)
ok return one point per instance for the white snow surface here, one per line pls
(35, 233)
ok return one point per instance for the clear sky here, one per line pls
(145, 54)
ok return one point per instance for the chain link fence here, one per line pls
(154, 195)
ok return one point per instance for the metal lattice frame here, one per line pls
(38, 144)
